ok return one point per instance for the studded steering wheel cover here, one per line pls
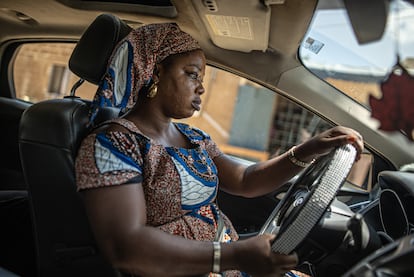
(313, 209)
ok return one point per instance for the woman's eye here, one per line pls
(193, 75)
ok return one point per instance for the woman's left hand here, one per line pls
(326, 141)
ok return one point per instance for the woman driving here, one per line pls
(150, 183)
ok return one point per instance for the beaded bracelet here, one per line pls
(216, 256)
(296, 161)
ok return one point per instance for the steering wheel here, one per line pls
(308, 198)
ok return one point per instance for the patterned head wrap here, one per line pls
(132, 63)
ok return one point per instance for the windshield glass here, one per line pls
(373, 63)
(332, 51)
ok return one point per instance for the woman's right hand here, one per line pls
(256, 257)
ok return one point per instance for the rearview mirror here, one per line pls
(367, 30)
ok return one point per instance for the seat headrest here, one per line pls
(91, 54)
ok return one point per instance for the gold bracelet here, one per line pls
(216, 256)
(296, 161)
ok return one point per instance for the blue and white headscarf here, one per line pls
(132, 63)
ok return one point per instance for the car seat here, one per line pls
(16, 239)
(11, 173)
(49, 136)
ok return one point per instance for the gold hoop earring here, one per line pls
(152, 92)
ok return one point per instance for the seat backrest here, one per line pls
(11, 174)
(50, 133)
(49, 136)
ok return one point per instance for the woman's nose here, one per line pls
(200, 88)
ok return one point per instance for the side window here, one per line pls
(252, 123)
(41, 72)
(249, 121)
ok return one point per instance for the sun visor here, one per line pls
(241, 25)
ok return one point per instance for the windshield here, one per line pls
(377, 73)
(332, 52)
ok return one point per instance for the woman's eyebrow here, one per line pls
(195, 65)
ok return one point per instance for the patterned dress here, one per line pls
(180, 184)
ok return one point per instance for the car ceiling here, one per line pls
(288, 19)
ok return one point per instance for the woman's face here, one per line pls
(180, 84)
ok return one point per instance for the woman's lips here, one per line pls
(196, 104)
